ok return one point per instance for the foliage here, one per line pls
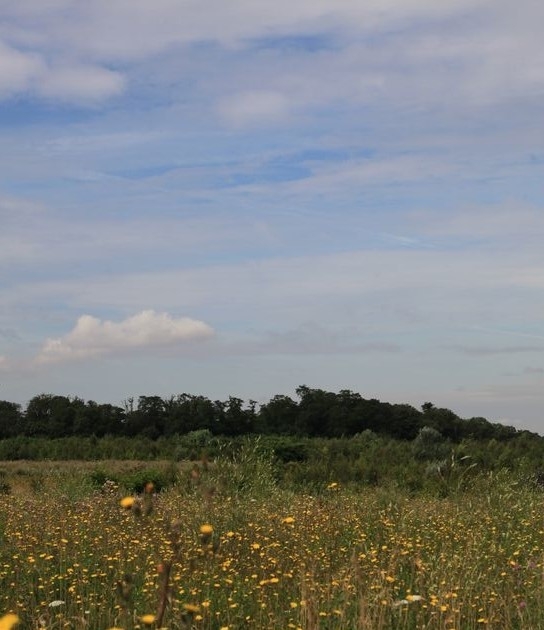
(316, 413)
(430, 445)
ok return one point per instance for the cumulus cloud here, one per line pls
(92, 337)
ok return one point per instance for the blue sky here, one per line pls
(243, 197)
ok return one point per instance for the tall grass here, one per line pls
(338, 557)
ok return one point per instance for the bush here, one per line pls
(250, 469)
(430, 445)
(136, 481)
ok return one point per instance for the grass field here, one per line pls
(225, 547)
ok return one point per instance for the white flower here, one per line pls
(410, 599)
(56, 603)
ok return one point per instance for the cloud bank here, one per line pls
(92, 337)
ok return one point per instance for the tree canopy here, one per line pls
(313, 413)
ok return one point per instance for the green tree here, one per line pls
(148, 419)
(51, 416)
(278, 416)
(98, 419)
(11, 419)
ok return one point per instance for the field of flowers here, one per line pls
(208, 554)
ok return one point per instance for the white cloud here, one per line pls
(76, 83)
(507, 220)
(383, 290)
(17, 70)
(33, 234)
(480, 60)
(93, 337)
(253, 107)
(128, 29)
(29, 72)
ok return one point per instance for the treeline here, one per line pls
(314, 413)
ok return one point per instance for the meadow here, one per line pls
(226, 545)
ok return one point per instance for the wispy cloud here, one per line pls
(29, 72)
(254, 107)
(92, 337)
(17, 70)
(307, 339)
(533, 370)
(494, 350)
(80, 83)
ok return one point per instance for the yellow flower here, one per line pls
(148, 620)
(191, 608)
(126, 502)
(288, 520)
(206, 530)
(7, 622)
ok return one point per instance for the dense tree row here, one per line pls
(315, 413)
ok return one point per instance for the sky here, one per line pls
(238, 198)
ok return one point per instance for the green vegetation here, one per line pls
(330, 512)
(428, 463)
(234, 543)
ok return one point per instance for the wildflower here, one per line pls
(288, 520)
(148, 620)
(191, 608)
(7, 622)
(56, 603)
(127, 502)
(206, 532)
